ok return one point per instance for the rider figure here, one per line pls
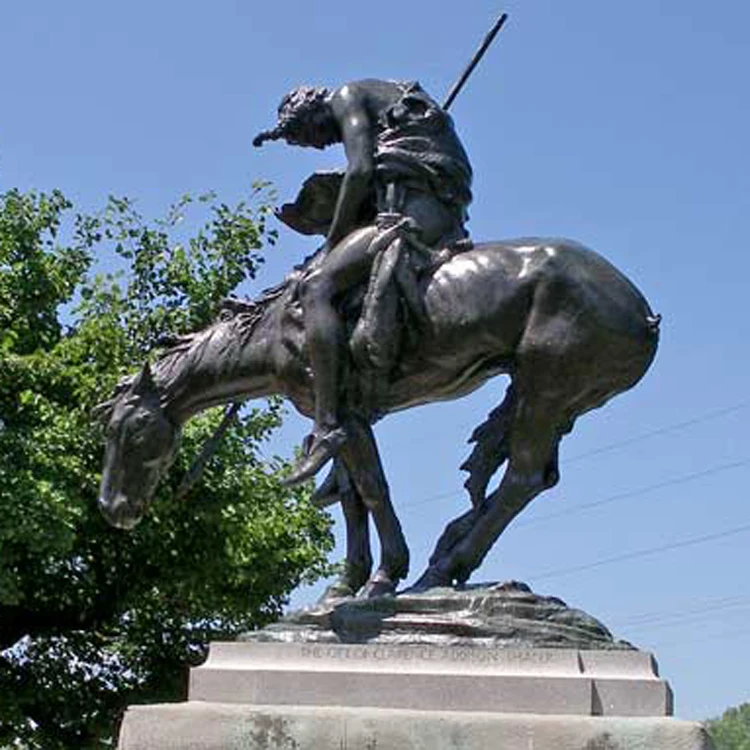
(404, 156)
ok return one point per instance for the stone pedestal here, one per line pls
(433, 678)
(215, 726)
(429, 674)
(268, 696)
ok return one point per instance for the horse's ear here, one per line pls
(144, 384)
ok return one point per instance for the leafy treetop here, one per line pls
(92, 618)
(732, 730)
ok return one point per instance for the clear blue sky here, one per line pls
(623, 125)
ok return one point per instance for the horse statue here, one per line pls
(569, 329)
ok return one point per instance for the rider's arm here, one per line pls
(358, 135)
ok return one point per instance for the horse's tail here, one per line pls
(491, 448)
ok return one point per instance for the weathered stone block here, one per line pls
(434, 678)
(210, 726)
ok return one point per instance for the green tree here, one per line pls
(732, 730)
(92, 618)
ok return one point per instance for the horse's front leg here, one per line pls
(339, 487)
(362, 460)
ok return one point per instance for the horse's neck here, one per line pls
(225, 362)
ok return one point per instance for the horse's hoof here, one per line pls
(336, 592)
(377, 587)
(430, 579)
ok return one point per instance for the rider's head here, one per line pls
(305, 119)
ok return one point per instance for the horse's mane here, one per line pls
(232, 329)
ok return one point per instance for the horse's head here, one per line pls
(141, 444)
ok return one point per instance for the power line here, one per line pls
(674, 621)
(721, 636)
(673, 481)
(688, 622)
(666, 429)
(682, 479)
(433, 498)
(643, 553)
(710, 605)
(675, 427)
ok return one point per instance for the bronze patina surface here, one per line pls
(397, 308)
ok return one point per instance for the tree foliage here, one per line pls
(92, 618)
(732, 730)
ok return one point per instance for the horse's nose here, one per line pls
(117, 512)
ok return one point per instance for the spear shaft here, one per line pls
(478, 55)
(207, 451)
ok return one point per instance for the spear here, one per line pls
(208, 450)
(478, 55)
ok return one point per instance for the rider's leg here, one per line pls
(324, 336)
(345, 265)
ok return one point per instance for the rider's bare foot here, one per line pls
(320, 450)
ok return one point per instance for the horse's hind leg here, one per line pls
(536, 429)
(491, 449)
(362, 460)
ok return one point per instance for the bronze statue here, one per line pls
(398, 308)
